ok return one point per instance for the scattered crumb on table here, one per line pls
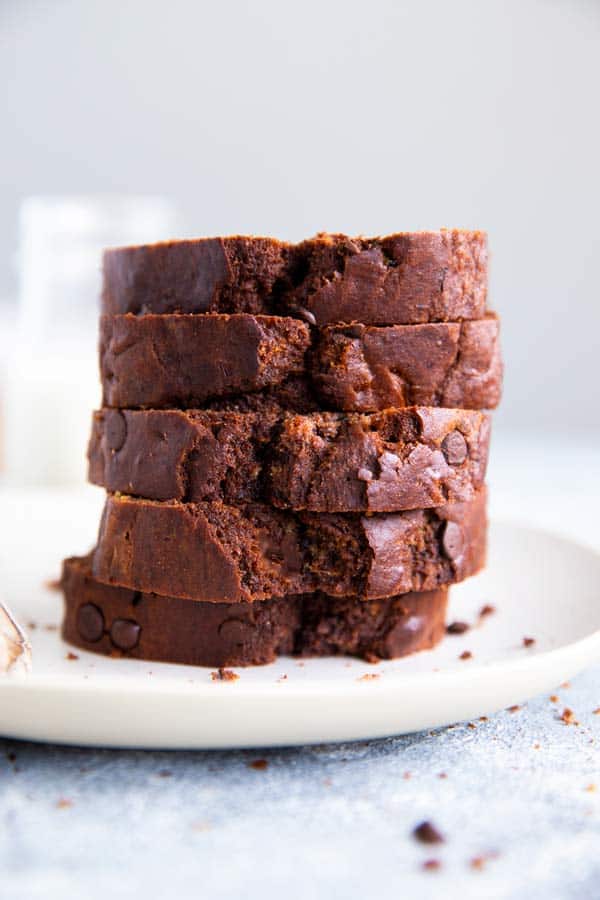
(466, 654)
(427, 833)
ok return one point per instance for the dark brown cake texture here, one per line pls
(185, 360)
(121, 622)
(404, 278)
(221, 553)
(324, 462)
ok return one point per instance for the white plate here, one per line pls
(542, 586)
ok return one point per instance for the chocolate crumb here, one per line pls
(514, 708)
(368, 676)
(487, 610)
(591, 788)
(568, 717)
(466, 654)
(427, 833)
(528, 641)
(471, 725)
(258, 764)
(50, 627)
(63, 803)
(566, 684)
(483, 719)
(596, 711)
(432, 865)
(407, 776)
(11, 756)
(224, 675)
(553, 698)
(442, 775)
(457, 628)
(478, 862)
(31, 625)
(164, 773)
(71, 656)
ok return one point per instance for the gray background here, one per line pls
(288, 118)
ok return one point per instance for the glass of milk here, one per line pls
(50, 383)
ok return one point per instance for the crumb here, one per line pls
(432, 865)
(471, 725)
(486, 610)
(568, 717)
(50, 627)
(553, 698)
(372, 658)
(368, 676)
(536, 746)
(282, 678)
(427, 833)
(596, 711)
(478, 862)
(566, 684)
(164, 773)
(31, 625)
(63, 803)
(528, 641)
(591, 788)
(52, 584)
(457, 628)
(11, 756)
(224, 675)
(483, 719)
(513, 709)
(258, 764)
(466, 654)
(442, 775)
(71, 656)
(301, 664)
(407, 776)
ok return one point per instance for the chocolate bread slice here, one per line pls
(221, 553)
(184, 360)
(120, 622)
(404, 278)
(363, 369)
(411, 458)
(167, 360)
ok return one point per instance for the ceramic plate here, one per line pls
(542, 587)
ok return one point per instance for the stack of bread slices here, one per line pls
(293, 441)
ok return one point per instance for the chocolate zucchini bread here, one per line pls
(120, 622)
(183, 360)
(397, 459)
(293, 442)
(430, 276)
(228, 554)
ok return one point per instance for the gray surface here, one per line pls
(290, 118)
(326, 821)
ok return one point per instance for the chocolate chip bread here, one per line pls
(184, 360)
(231, 554)
(119, 621)
(324, 462)
(399, 279)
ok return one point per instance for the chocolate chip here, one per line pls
(125, 634)
(427, 833)
(455, 448)
(453, 541)
(115, 429)
(90, 623)
(457, 627)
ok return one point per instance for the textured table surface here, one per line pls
(517, 796)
